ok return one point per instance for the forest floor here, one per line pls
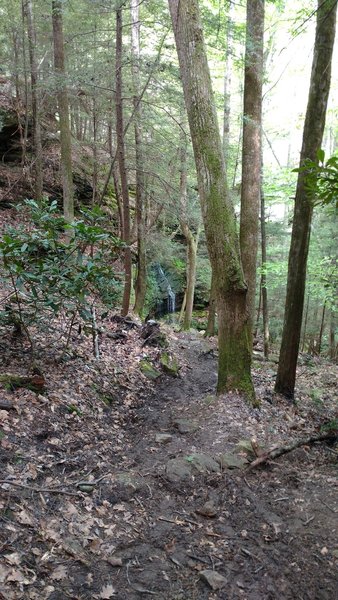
(112, 485)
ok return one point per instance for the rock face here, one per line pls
(16, 180)
(10, 145)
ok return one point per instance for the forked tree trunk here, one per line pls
(122, 166)
(217, 210)
(300, 237)
(28, 11)
(63, 106)
(141, 277)
(251, 157)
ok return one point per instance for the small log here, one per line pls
(35, 383)
(275, 452)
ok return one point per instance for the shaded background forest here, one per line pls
(153, 109)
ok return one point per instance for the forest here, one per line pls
(168, 299)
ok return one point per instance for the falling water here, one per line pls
(171, 300)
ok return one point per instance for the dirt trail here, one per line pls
(107, 511)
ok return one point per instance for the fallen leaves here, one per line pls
(107, 592)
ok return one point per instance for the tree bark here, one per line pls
(300, 237)
(321, 331)
(227, 86)
(141, 277)
(265, 305)
(217, 210)
(251, 152)
(211, 323)
(305, 322)
(191, 241)
(63, 106)
(122, 166)
(333, 345)
(28, 11)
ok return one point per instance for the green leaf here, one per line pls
(321, 155)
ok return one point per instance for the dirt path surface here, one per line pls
(114, 486)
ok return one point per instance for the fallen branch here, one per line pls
(36, 489)
(275, 452)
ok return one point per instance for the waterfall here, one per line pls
(166, 287)
(171, 300)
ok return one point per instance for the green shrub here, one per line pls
(54, 269)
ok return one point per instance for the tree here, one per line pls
(28, 12)
(62, 96)
(190, 238)
(300, 237)
(217, 210)
(251, 153)
(122, 165)
(141, 278)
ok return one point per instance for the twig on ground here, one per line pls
(308, 520)
(35, 489)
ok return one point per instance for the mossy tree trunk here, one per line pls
(211, 323)
(301, 227)
(251, 151)
(63, 107)
(122, 166)
(217, 210)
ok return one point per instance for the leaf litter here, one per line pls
(88, 510)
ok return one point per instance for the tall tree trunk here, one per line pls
(95, 122)
(333, 345)
(210, 330)
(251, 154)
(265, 306)
(63, 107)
(300, 237)
(24, 61)
(191, 241)
(321, 331)
(122, 166)
(28, 11)
(217, 210)
(259, 307)
(305, 322)
(227, 86)
(141, 277)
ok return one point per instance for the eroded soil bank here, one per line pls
(114, 485)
